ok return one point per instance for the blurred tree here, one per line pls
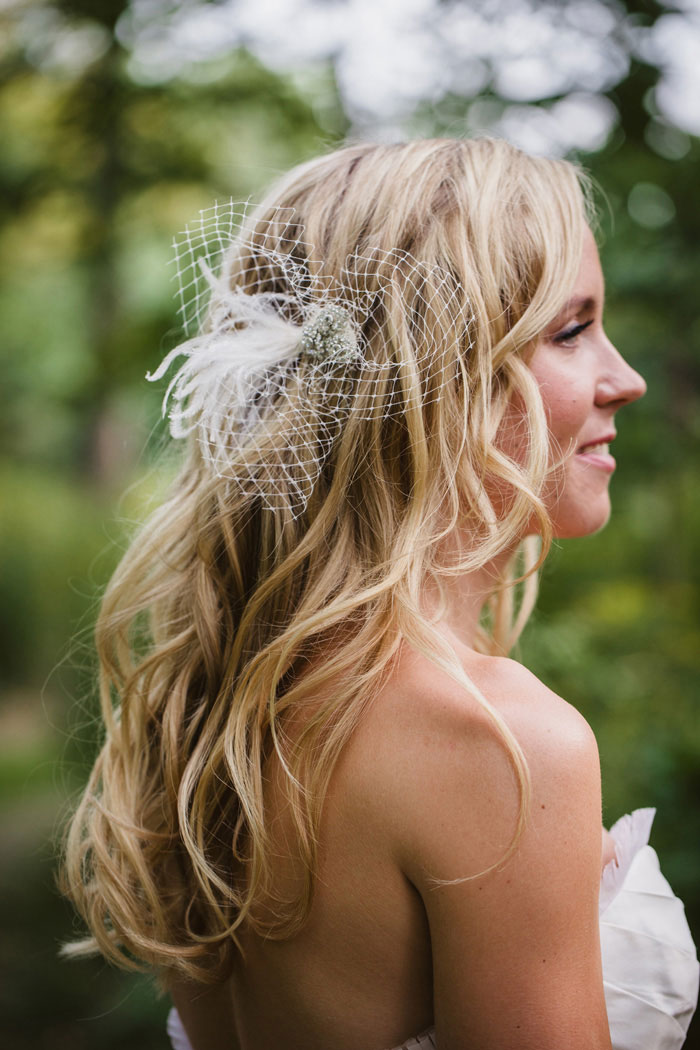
(103, 159)
(97, 172)
(99, 169)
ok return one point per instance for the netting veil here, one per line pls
(278, 351)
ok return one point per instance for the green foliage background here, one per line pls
(97, 172)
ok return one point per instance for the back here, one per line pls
(423, 792)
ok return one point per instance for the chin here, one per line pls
(582, 521)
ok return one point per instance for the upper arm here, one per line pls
(516, 952)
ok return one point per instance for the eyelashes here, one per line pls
(570, 334)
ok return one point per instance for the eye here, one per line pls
(569, 335)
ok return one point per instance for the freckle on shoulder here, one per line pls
(543, 722)
(538, 716)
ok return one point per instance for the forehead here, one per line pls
(588, 291)
(589, 282)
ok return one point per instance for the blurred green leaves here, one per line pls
(97, 173)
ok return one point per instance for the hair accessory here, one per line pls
(280, 352)
(329, 336)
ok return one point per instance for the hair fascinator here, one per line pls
(279, 351)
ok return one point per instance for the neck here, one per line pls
(465, 595)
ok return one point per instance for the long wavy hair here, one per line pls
(225, 617)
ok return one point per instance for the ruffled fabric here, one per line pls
(421, 1042)
(650, 966)
(630, 834)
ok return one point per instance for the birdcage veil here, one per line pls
(278, 351)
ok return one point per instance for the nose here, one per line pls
(619, 383)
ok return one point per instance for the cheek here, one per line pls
(565, 422)
(566, 408)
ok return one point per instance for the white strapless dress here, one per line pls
(650, 966)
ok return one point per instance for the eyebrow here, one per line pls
(578, 303)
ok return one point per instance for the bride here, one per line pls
(330, 811)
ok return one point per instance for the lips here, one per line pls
(598, 444)
(597, 447)
(597, 454)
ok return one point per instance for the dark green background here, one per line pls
(97, 172)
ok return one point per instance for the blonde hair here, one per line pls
(211, 627)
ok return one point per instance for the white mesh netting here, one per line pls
(280, 351)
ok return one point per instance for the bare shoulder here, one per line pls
(549, 729)
(428, 729)
(524, 918)
(545, 719)
(423, 691)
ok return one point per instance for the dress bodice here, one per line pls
(650, 966)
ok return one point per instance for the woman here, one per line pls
(330, 811)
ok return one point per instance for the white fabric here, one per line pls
(650, 966)
(178, 1035)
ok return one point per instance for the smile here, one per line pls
(597, 455)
